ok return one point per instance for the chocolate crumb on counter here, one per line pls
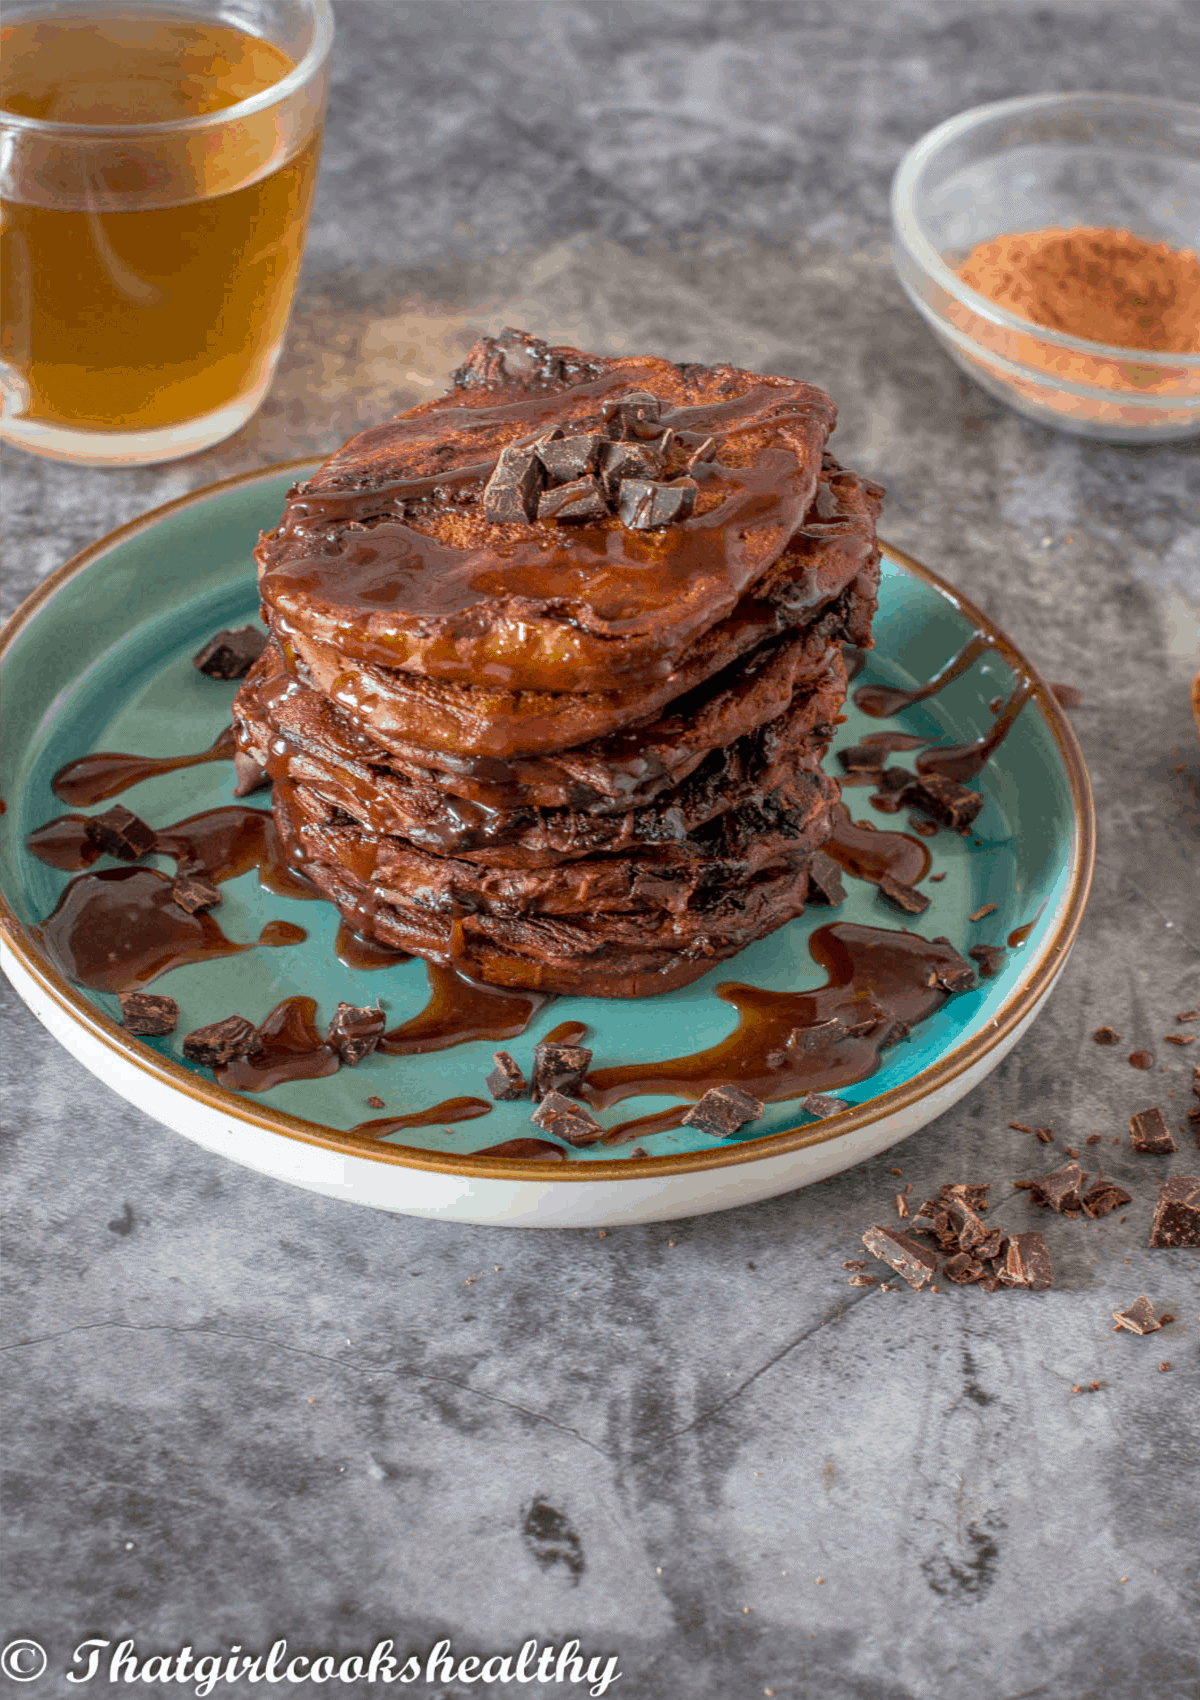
(1106, 1036)
(819, 1104)
(902, 1209)
(1138, 1317)
(220, 1041)
(915, 1262)
(567, 1119)
(984, 909)
(1059, 1190)
(1179, 1038)
(1045, 1135)
(1021, 1127)
(355, 1031)
(990, 958)
(1092, 1139)
(559, 1068)
(1188, 1015)
(1141, 1059)
(906, 898)
(723, 1110)
(1149, 1133)
(121, 833)
(825, 880)
(147, 1015)
(230, 654)
(375, 1102)
(506, 1082)
(192, 892)
(862, 1280)
(1102, 1197)
(1177, 1214)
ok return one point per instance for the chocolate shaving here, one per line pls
(506, 1082)
(1149, 1133)
(559, 1068)
(825, 880)
(1177, 1213)
(121, 833)
(903, 897)
(220, 1041)
(566, 1119)
(231, 654)
(355, 1031)
(723, 1110)
(915, 1262)
(192, 892)
(148, 1016)
(1139, 1317)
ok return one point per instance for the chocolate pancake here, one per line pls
(388, 556)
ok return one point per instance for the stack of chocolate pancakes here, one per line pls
(554, 663)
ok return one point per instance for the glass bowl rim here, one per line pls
(908, 232)
(301, 73)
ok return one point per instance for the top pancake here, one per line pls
(386, 556)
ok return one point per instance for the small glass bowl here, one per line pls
(1064, 160)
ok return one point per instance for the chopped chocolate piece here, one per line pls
(1148, 1132)
(862, 758)
(902, 1209)
(891, 806)
(121, 833)
(945, 799)
(1138, 1317)
(147, 1015)
(1141, 1059)
(249, 774)
(569, 458)
(935, 879)
(723, 1110)
(1103, 1196)
(962, 1267)
(1067, 696)
(1092, 1139)
(1059, 1190)
(567, 1120)
(1177, 1213)
(375, 1103)
(1021, 1127)
(819, 1104)
(825, 880)
(820, 1036)
(955, 977)
(220, 1041)
(559, 1068)
(902, 1253)
(633, 415)
(855, 1263)
(974, 1197)
(644, 506)
(639, 1151)
(1045, 1134)
(1106, 1036)
(628, 460)
(1180, 1038)
(984, 909)
(903, 897)
(355, 1031)
(1070, 1151)
(861, 1280)
(230, 655)
(193, 892)
(511, 493)
(1188, 1015)
(898, 780)
(578, 502)
(990, 958)
(506, 1081)
(1027, 1263)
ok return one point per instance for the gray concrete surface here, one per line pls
(238, 1413)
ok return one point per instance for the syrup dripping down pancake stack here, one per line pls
(554, 663)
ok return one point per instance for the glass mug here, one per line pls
(157, 168)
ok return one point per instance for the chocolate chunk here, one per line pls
(723, 1110)
(249, 774)
(819, 1104)
(924, 828)
(903, 897)
(119, 832)
(193, 892)
(644, 506)
(1141, 1059)
(375, 1103)
(355, 1031)
(511, 493)
(1045, 1135)
(575, 503)
(1139, 1317)
(990, 958)
(230, 655)
(962, 1268)
(973, 1196)
(1060, 1190)
(1027, 1263)
(1148, 1132)
(633, 415)
(825, 880)
(898, 780)
(954, 977)
(947, 801)
(1177, 1213)
(148, 1016)
(1102, 1197)
(506, 1082)
(915, 1262)
(1106, 1036)
(1179, 1038)
(567, 1120)
(820, 1037)
(559, 1068)
(570, 458)
(862, 758)
(220, 1041)
(628, 460)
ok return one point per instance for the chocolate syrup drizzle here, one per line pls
(104, 774)
(453, 1110)
(460, 1010)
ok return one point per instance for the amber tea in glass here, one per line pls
(157, 167)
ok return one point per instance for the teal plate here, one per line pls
(100, 658)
